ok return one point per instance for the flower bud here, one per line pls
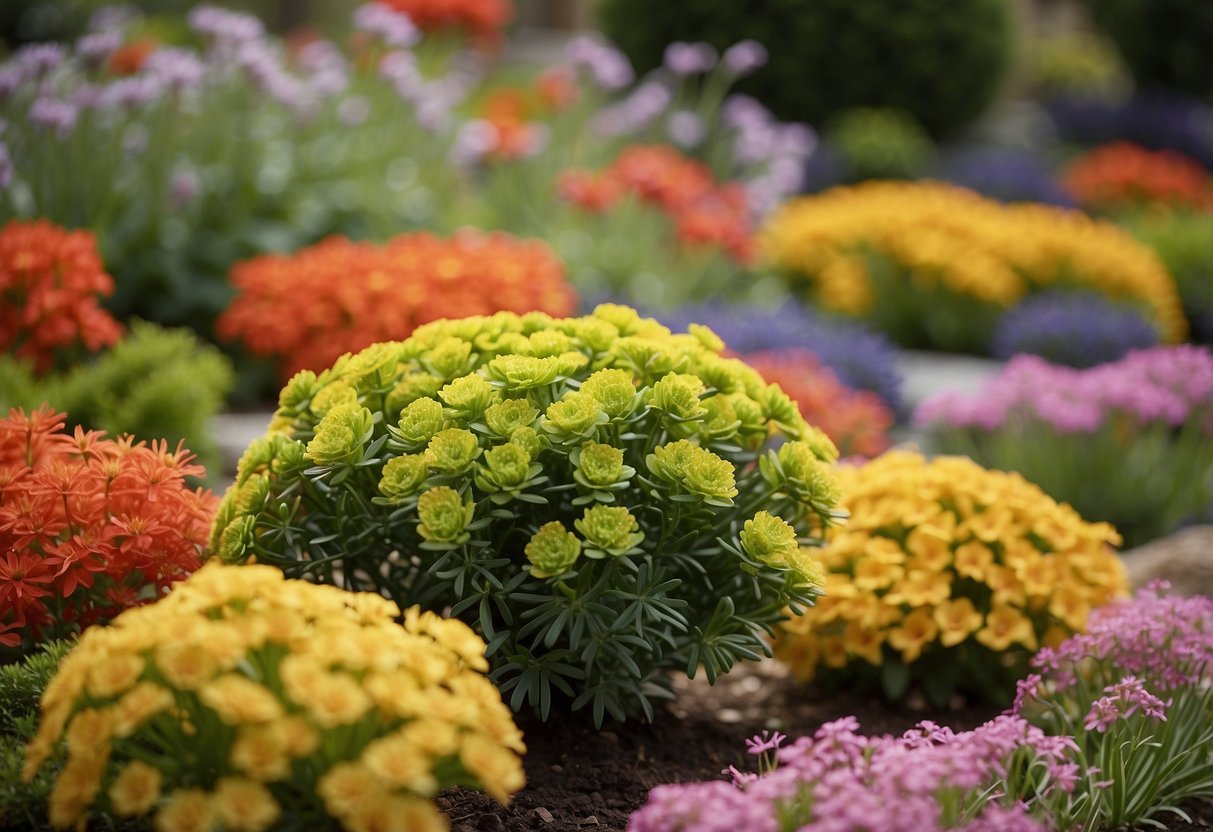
(678, 395)
(600, 465)
(444, 515)
(452, 451)
(552, 550)
(614, 390)
(769, 539)
(523, 372)
(449, 358)
(505, 468)
(610, 529)
(506, 417)
(468, 396)
(341, 435)
(402, 476)
(420, 421)
(577, 414)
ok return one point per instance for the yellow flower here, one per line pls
(1070, 606)
(74, 789)
(834, 651)
(90, 731)
(1005, 626)
(995, 523)
(184, 665)
(135, 789)
(929, 549)
(499, 771)
(920, 588)
(972, 559)
(916, 631)
(245, 805)
(398, 763)
(261, 752)
(867, 642)
(873, 574)
(187, 810)
(115, 675)
(336, 699)
(347, 786)
(957, 620)
(140, 702)
(239, 700)
(396, 813)
(1006, 585)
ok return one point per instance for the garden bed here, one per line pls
(580, 779)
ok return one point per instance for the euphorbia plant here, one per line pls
(595, 495)
(89, 526)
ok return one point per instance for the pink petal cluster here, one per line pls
(1171, 385)
(839, 781)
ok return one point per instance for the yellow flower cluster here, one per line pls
(940, 236)
(240, 686)
(943, 560)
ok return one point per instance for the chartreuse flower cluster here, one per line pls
(246, 701)
(595, 495)
(934, 265)
(949, 576)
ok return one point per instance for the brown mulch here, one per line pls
(582, 780)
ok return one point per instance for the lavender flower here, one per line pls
(1077, 329)
(95, 47)
(6, 166)
(608, 66)
(634, 113)
(860, 358)
(174, 68)
(54, 114)
(744, 57)
(1007, 175)
(129, 93)
(184, 188)
(686, 129)
(38, 59)
(689, 58)
(472, 141)
(225, 26)
(395, 28)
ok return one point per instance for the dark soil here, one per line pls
(582, 780)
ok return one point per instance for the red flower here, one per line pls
(482, 19)
(1123, 174)
(704, 212)
(129, 58)
(84, 521)
(857, 420)
(340, 296)
(49, 282)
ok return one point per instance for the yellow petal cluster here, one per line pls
(191, 710)
(944, 555)
(940, 236)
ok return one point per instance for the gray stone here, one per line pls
(1184, 558)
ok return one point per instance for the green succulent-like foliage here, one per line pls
(154, 383)
(600, 497)
(1165, 43)
(942, 61)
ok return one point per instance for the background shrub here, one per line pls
(23, 805)
(1182, 241)
(880, 143)
(1165, 43)
(940, 61)
(156, 382)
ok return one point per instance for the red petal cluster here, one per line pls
(857, 420)
(704, 212)
(340, 296)
(1122, 174)
(89, 526)
(482, 19)
(49, 282)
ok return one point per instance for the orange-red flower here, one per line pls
(1123, 174)
(340, 296)
(49, 282)
(129, 58)
(482, 19)
(704, 212)
(857, 420)
(89, 526)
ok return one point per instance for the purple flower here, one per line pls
(608, 66)
(1077, 329)
(184, 188)
(129, 93)
(764, 742)
(686, 129)
(395, 28)
(634, 113)
(473, 140)
(96, 47)
(1007, 175)
(1154, 119)
(744, 57)
(862, 359)
(689, 58)
(54, 114)
(175, 68)
(225, 26)
(6, 166)
(11, 78)
(37, 59)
